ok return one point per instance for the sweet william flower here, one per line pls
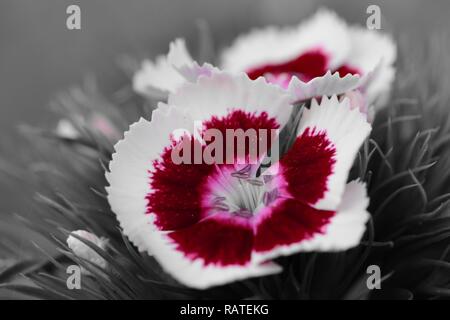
(321, 56)
(304, 58)
(83, 251)
(211, 224)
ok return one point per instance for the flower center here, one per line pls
(238, 192)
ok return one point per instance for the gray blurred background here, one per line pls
(39, 56)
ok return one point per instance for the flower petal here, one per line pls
(223, 92)
(348, 225)
(129, 181)
(191, 72)
(327, 85)
(307, 166)
(178, 54)
(343, 229)
(346, 129)
(273, 45)
(289, 223)
(194, 273)
(373, 52)
(159, 77)
(215, 251)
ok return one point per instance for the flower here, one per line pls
(211, 224)
(85, 252)
(321, 56)
(310, 54)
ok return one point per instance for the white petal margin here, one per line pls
(347, 128)
(344, 231)
(129, 183)
(128, 177)
(194, 273)
(273, 45)
(160, 77)
(328, 85)
(223, 92)
(373, 52)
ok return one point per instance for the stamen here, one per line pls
(270, 196)
(268, 177)
(221, 207)
(218, 204)
(243, 173)
(255, 182)
(240, 176)
(240, 193)
(218, 200)
(244, 213)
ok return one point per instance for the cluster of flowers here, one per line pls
(211, 224)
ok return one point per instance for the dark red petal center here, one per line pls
(289, 223)
(216, 241)
(177, 189)
(308, 164)
(306, 66)
(179, 193)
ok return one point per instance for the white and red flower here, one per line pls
(211, 224)
(305, 58)
(321, 56)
